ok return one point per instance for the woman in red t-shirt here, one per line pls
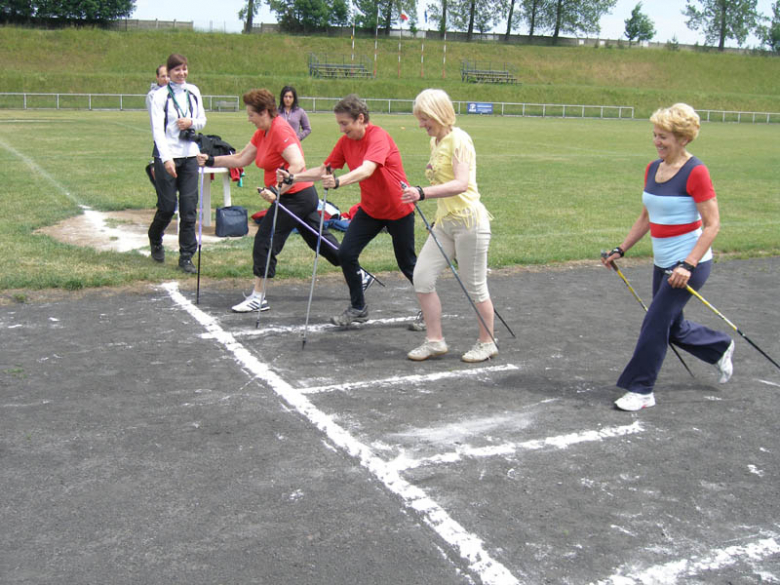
(275, 145)
(375, 163)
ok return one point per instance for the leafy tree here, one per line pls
(439, 15)
(467, 15)
(248, 13)
(723, 19)
(373, 14)
(309, 15)
(639, 27)
(574, 16)
(770, 35)
(66, 10)
(532, 9)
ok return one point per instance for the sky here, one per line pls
(223, 16)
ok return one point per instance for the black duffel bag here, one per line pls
(232, 222)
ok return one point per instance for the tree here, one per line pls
(770, 35)
(531, 11)
(309, 15)
(574, 16)
(248, 13)
(639, 27)
(467, 14)
(374, 14)
(65, 10)
(438, 14)
(723, 19)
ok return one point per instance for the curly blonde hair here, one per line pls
(435, 105)
(679, 119)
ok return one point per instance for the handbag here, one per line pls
(231, 222)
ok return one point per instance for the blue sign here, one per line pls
(480, 108)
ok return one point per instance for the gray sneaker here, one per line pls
(418, 324)
(158, 252)
(427, 350)
(366, 279)
(187, 266)
(349, 316)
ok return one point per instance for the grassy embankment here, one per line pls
(229, 64)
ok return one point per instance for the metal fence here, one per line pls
(100, 101)
(231, 103)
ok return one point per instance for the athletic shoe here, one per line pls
(187, 266)
(724, 365)
(367, 279)
(427, 350)
(632, 401)
(158, 252)
(418, 324)
(482, 351)
(349, 316)
(250, 304)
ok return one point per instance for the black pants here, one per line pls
(362, 229)
(186, 183)
(304, 205)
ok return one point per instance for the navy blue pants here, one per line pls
(362, 229)
(186, 183)
(664, 323)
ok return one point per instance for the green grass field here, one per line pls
(560, 190)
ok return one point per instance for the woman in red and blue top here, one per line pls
(680, 210)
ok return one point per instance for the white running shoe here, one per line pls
(250, 304)
(633, 401)
(418, 324)
(482, 351)
(427, 350)
(724, 365)
(366, 279)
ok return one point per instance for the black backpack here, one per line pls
(213, 145)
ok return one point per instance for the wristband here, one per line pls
(420, 191)
(272, 189)
(210, 161)
(336, 186)
(289, 179)
(689, 267)
(617, 250)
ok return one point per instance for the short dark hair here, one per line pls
(174, 60)
(353, 106)
(157, 72)
(290, 89)
(261, 100)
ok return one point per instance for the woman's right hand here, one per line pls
(202, 158)
(170, 168)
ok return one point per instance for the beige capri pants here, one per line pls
(466, 244)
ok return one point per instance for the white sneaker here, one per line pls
(724, 365)
(427, 350)
(480, 352)
(418, 324)
(251, 303)
(632, 401)
(366, 279)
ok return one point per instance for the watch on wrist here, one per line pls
(421, 192)
(617, 250)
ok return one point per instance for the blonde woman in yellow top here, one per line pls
(462, 227)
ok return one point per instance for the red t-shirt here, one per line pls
(270, 146)
(380, 194)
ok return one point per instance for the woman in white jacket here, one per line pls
(177, 115)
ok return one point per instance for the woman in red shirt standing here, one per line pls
(375, 163)
(274, 145)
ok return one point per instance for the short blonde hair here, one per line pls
(436, 105)
(679, 119)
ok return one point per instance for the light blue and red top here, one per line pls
(675, 222)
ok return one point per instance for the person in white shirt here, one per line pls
(177, 115)
(161, 81)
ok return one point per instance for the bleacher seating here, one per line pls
(471, 73)
(322, 66)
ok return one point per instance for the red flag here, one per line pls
(404, 17)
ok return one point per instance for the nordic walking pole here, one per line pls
(328, 242)
(454, 272)
(200, 234)
(268, 256)
(329, 171)
(639, 300)
(734, 327)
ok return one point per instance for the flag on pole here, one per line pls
(404, 17)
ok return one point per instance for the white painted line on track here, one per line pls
(403, 463)
(413, 379)
(768, 383)
(469, 546)
(671, 572)
(266, 330)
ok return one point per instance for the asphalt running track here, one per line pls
(147, 439)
